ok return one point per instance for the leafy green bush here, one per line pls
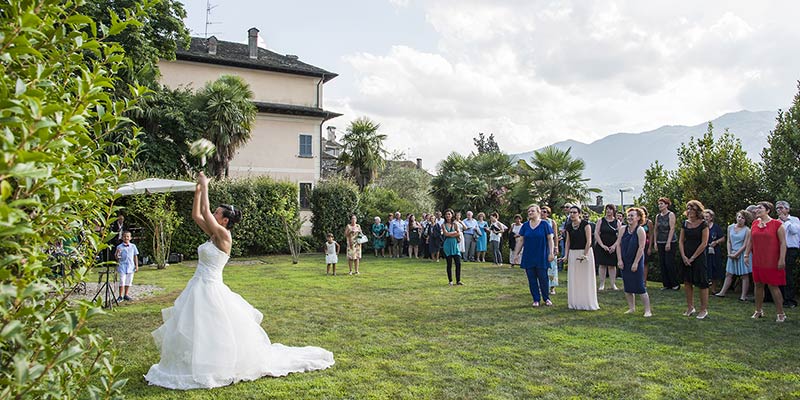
(56, 182)
(264, 203)
(332, 203)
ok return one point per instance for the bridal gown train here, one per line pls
(212, 337)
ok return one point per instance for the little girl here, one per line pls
(331, 254)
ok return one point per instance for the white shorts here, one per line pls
(331, 258)
(125, 279)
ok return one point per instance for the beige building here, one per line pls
(287, 139)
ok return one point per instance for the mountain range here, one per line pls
(611, 166)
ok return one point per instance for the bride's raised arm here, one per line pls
(198, 204)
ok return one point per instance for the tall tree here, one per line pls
(477, 182)
(486, 144)
(554, 177)
(169, 120)
(718, 172)
(781, 158)
(228, 105)
(156, 37)
(363, 150)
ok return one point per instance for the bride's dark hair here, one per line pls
(232, 214)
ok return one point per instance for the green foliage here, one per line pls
(169, 120)
(157, 37)
(410, 184)
(57, 114)
(486, 144)
(332, 203)
(228, 106)
(715, 171)
(781, 158)
(378, 201)
(265, 204)
(363, 150)
(553, 178)
(479, 182)
(156, 212)
(658, 182)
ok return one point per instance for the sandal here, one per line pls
(781, 317)
(689, 313)
(536, 304)
(758, 314)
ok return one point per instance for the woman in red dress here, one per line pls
(768, 246)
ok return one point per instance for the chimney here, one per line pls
(252, 42)
(331, 133)
(292, 57)
(212, 45)
(599, 200)
(419, 163)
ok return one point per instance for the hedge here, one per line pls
(264, 203)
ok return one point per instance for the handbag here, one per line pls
(362, 238)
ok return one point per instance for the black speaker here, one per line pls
(175, 258)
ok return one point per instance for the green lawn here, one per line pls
(398, 331)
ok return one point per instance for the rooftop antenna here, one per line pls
(209, 7)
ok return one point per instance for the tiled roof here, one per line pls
(238, 55)
(289, 109)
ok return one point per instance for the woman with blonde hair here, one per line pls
(738, 260)
(692, 244)
(630, 260)
(536, 239)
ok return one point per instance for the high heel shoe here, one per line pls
(781, 317)
(758, 314)
(702, 315)
(689, 313)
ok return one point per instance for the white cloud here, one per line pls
(535, 72)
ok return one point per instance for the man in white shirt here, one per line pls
(792, 226)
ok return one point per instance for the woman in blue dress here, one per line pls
(451, 231)
(630, 259)
(738, 260)
(535, 240)
(482, 240)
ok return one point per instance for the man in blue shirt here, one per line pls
(470, 231)
(397, 230)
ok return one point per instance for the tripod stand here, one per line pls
(109, 298)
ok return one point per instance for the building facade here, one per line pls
(286, 139)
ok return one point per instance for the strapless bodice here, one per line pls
(211, 262)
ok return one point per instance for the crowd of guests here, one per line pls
(699, 254)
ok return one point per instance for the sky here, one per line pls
(435, 73)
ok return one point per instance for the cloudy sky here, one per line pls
(533, 72)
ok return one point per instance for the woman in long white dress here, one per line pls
(581, 286)
(212, 337)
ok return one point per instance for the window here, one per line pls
(305, 145)
(305, 195)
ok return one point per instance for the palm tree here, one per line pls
(363, 150)
(230, 113)
(555, 177)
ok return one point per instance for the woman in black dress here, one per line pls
(605, 236)
(692, 243)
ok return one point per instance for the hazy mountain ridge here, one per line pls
(611, 165)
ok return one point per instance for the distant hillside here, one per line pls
(611, 166)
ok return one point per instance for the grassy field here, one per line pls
(399, 332)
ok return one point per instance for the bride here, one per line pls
(212, 337)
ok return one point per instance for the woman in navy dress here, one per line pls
(716, 236)
(535, 240)
(630, 260)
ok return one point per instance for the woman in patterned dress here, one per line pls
(738, 260)
(352, 232)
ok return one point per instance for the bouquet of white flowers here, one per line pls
(202, 148)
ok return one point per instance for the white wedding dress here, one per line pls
(212, 337)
